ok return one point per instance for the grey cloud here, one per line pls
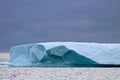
(28, 21)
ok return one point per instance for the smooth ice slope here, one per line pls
(65, 54)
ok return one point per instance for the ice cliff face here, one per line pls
(63, 54)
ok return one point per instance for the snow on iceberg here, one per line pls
(64, 54)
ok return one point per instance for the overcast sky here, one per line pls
(33, 21)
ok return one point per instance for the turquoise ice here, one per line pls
(61, 54)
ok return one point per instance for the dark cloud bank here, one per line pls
(31, 21)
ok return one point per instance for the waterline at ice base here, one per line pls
(65, 54)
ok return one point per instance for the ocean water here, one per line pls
(4, 62)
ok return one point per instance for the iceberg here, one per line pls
(62, 54)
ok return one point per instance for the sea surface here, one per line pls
(4, 62)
